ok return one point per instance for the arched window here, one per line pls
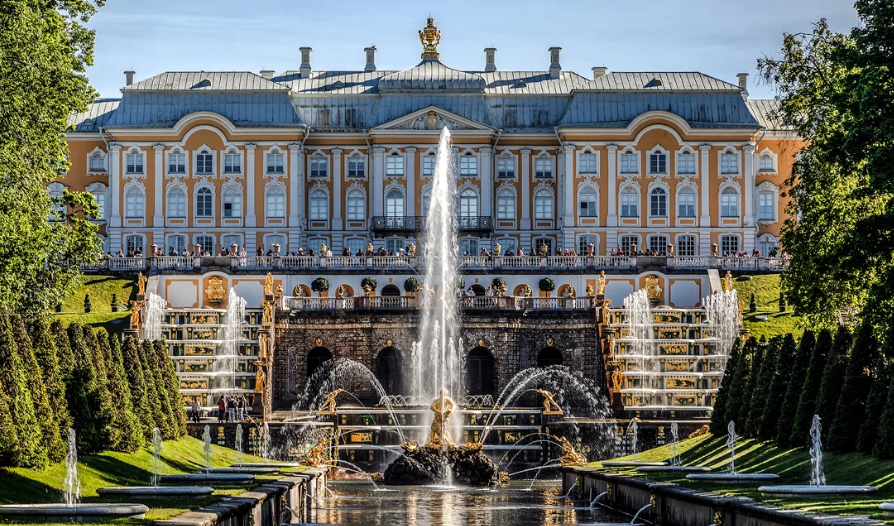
(587, 199)
(658, 202)
(134, 203)
(629, 202)
(480, 372)
(356, 205)
(177, 203)
(766, 163)
(729, 203)
(543, 205)
(319, 206)
(388, 371)
(549, 356)
(468, 203)
(316, 358)
(276, 203)
(232, 202)
(204, 162)
(390, 290)
(686, 163)
(686, 202)
(426, 201)
(97, 163)
(394, 203)
(356, 166)
(204, 203)
(505, 204)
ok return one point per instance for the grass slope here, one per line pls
(792, 465)
(101, 289)
(766, 293)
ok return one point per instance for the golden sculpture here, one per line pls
(323, 249)
(497, 249)
(340, 291)
(550, 407)
(268, 285)
(267, 314)
(589, 290)
(262, 347)
(411, 250)
(369, 249)
(430, 37)
(134, 314)
(473, 446)
(653, 290)
(141, 284)
(279, 290)
(526, 292)
(410, 447)
(617, 380)
(442, 407)
(259, 378)
(544, 250)
(329, 406)
(600, 283)
(215, 292)
(571, 457)
(319, 454)
(728, 281)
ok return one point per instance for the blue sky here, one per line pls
(717, 37)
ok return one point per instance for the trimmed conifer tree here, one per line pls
(800, 429)
(762, 387)
(103, 405)
(79, 389)
(793, 391)
(851, 407)
(736, 409)
(13, 381)
(833, 379)
(9, 439)
(129, 435)
(172, 387)
(718, 415)
(882, 374)
(785, 357)
(152, 392)
(47, 355)
(884, 444)
(170, 431)
(64, 356)
(133, 369)
(50, 436)
(757, 361)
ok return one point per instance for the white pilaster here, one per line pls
(704, 244)
(378, 180)
(158, 216)
(336, 189)
(296, 196)
(568, 178)
(612, 217)
(114, 198)
(526, 189)
(748, 220)
(410, 173)
(250, 219)
(487, 181)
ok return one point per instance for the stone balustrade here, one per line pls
(295, 303)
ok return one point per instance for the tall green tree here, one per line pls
(170, 430)
(833, 378)
(45, 350)
(800, 428)
(762, 387)
(13, 381)
(128, 435)
(80, 389)
(883, 372)
(9, 438)
(737, 403)
(718, 415)
(152, 392)
(64, 356)
(884, 445)
(757, 362)
(785, 358)
(45, 49)
(139, 396)
(793, 392)
(172, 387)
(851, 407)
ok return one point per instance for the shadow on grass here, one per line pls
(18, 489)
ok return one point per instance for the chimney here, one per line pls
(128, 77)
(305, 62)
(554, 67)
(489, 64)
(268, 74)
(599, 71)
(743, 83)
(370, 58)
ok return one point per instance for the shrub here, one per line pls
(785, 357)
(136, 380)
(883, 371)
(781, 301)
(29, 450)
(411, 285)
(793, 391)
(736, 407)
(547, 285)
(851, 407)
(800, 428)
(762, 386)
(114, 304)
(884, 445)
(48, 353)
(718, 416)
(833, 379)
(368, 283)
(128, 432)
(498, 283)
(752, 304)
(87, 306)
(319, 285)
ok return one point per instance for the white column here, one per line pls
(114, 229)
(158, 218)
(748, 221)
(612, 217)
(250, 219)
(525, 189)
(296, 196)
(704, 244)
(568, 177)
(336, 189)
(487, 180)
(410, 173)
(378, 181)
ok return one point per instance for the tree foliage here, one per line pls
(785, 358)
(719, 419)
(800, 428)
(29, 451)
(139, 395)
(737, 403)
(833, 378)
(793, 392)
(762, 384)
(128, 435)
(851, 407)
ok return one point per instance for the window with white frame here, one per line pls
(729, 163)
(584, 241)
(658, 202)
(177, 203)
(278, 239)
(686, 163)
(232, 163)
(58, 207)
(206, 243)
(428, 164)
(356, 166)
(508, 246)
(587, 163)
(204, 202)
(543, 167)
(766, 163)
(766, 245)
(177, 243)
(506, 167)
(628, 242)
(506, 204)
(395, 204)
(468, 165)
(468, 203)
(356, 245)
(394, 165)
(729, 245)
(232, 202)
(97, 163)
(686, 246)
(275, 205)
(134, 203)
(539, 242)
(658, 163)
(356, 205)
(629, 202)
(319, 166)
(658, 244)
(628, 163)
(766, 206)
(543, 205)
(587, 199)
(229, 240)
(394, 245)
(319, 205)
(729, 203)
(133, 244)
(468, 246)
(134, 163)
(100, 198)
(204, 162)
(426, 201)
(176, 163)
(276, 162)
(686, 202)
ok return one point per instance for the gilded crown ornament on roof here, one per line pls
(430, 38)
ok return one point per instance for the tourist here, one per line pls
(346, 252)
(231, 410)
(221, 409)
(240, 408)
(260, 251)
(196, 411)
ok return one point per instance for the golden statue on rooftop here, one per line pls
(430, 38)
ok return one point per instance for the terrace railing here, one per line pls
(293, 303)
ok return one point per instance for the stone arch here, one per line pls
(549, 356)
(349, 290)
(480, 372)
(519, 289)
(390, 290)
(302, 290)
(316, 358)
(389, 370)
(478, 289)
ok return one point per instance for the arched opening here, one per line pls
(549, 356)
(389, 371)
(478, 289)
(390, 290)
(480, 372)
(316, 358)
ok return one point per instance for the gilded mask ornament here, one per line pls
(215, 291)
(653, 290)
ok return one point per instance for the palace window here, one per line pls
(627, 244)
(468, 165)
(57, 213)
(204, 203)
(658, 202)
(729, 203)
(134, 203)
(356, 205)
(394, 165)
(319, 206)
(468, 203)
(686, 203)
(133, 244)
(508, 246)
(394, 203)
(629, 202)
(395, 244)
(766, 206)
(729, 163)
(658, 244)
(275, 163)
(428, 164)
(319, 166)
(204, 162)
(276, 203)
(97, 163)
(100, 198)
(206, 243)
(587, 163)
(426, 201)
(543, 168)
(506, 167)
(584, 241)
(178, 243)
(229, 240)
(587, 200)
(177, 203)
(277, 239)
(543, 205)
(657, 163)
(686, 246)
(134, 163)
(686, 163)
(729, 245)
(356, 245)
(232, 163)
(232, 202)
(766, 163)
(468, 246)
(356, 166)
(539, 242)
(766, 245)
(505, 204)
(628, 163)
(177, 163)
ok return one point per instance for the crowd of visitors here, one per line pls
(229, 409)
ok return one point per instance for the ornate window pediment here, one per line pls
(434, 119)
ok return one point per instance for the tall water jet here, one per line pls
(265, 443)
(72, 483)
(206, 438)
(675, 438)
(641, 336)
(731, 445)
(239, 447)
(817, 474)
(155, 312)
(722, 312)
(156, 454)
(224, 366)
(632, 432)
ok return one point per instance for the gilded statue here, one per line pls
(259, 380)
(728, 281)
(526, 292)
(589, 290)
(442, 407)
(319, 454)
(653, 290)
(617, 380)
(369, 249)
(411, 250)
(600, 283)
(550, 407)
(430, 37)
(262, 347)
(323, 249)
(544, 249)
(410, 447)
(279, 290)
(215, 291)
(141, 284)
(268, 285)
(329, 406)
(497, 249)
(571, 457)
(340, 291)
(134, 314)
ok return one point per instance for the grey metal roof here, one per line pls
(159, 110)
(534, 83)
(763, 110)
(192, 81)
(431, 75)
(527, 113)
(97, 115)
(661, 81)
(333, 82)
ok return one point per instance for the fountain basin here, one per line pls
(674, 469)
(253, 470)
(887, 508)
(156, 491)
(630, 464)
(799, 490)
(266, 465)
(729, 478)
(209, 478)
(83, 512)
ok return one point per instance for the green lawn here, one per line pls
(793, 466)
(766, 294)
(101, 289)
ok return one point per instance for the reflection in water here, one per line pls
(518, 504)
